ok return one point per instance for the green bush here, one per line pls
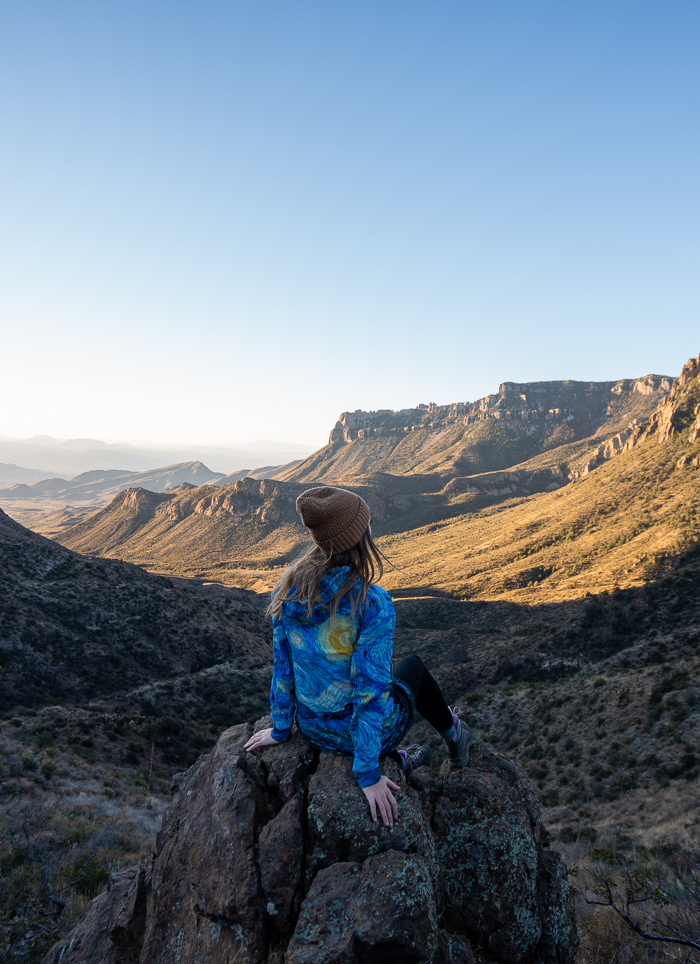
(90, 877)
(44, 739)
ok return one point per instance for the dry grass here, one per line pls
(605, 531)
(605, 937)
(70, 816)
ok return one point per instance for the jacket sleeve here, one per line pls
(282, 701)
(371, 677)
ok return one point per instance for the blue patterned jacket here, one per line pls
(335, 678)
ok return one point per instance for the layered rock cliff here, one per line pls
(272, 857)
(525, 407)
(520, 422)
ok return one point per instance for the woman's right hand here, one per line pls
(259, 739)
(381, 798)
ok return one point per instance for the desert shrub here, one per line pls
(89, 875)
(623, 784)
(40, 891)
(655, 896)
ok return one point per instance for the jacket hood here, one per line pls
(328, 587)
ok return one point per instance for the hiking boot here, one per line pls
(458, 748)
(422, 757)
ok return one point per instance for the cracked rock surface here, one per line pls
(272, 858)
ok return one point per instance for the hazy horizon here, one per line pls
(151, 443)
(42, 457)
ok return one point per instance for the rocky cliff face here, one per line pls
(273, 858)
(679, 411)
(527, 408)
(562, 421)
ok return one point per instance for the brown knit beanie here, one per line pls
(336, 518)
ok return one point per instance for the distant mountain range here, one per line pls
(103, 484)
(11, 474)
(575, 421)
(20, 459)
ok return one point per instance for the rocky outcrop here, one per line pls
(679, 411)
(607, 450)
(272, 857)
(515, 482)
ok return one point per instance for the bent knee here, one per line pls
(414, 661)
(412, 671)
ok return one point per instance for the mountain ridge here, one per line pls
(105, 483)
(526, 418)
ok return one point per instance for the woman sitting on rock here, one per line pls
(333, 639)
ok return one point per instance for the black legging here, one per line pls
(430, 702)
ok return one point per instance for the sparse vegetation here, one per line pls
(655, 893)
(68, 821)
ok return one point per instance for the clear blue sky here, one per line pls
(223, 221)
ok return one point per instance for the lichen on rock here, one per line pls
(272, 857)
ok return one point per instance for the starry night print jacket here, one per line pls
(334, 677)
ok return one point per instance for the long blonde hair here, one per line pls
(302, 579)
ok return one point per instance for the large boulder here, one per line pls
(272, 857)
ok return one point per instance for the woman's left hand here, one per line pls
(261, 738)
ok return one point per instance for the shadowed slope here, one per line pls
(74, 628)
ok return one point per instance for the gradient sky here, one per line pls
(225, 221)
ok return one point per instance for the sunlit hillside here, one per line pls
(612, 528)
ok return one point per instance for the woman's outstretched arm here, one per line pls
(282, 700)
